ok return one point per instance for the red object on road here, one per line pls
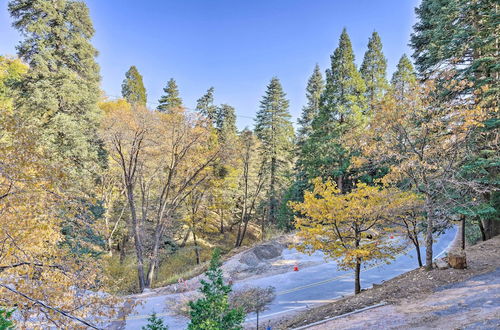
(295, 268)
(392, 237)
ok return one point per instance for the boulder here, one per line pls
(441, 264)
(249, 258)
(268, 251)
(457, 259)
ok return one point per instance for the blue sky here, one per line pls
(234, 45)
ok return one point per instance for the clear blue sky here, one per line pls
(234, 45)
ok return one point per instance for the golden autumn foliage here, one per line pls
(422, 139)
(161, 158)
(353, 228)
(33, 261)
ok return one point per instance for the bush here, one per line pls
(253, 299)
(155, 323)
(5, 319)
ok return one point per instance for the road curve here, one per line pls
(299, 290)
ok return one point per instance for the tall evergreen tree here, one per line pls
(171, 99)
(341, 110)
(314, 89)
(61, 89)
(133, 89)
(373, 70)
(205, 105)
(456, 44)
(403, 78)
(225, 122)
(274, 128)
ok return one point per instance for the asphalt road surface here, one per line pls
(301, 289)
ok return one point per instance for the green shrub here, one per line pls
(5, 319)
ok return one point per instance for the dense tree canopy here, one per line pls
(93, 190)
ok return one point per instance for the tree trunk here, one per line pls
(481, 228)
(263, 223)
(237, 243)
(340, 183)
(184, 240)
(272, 193)
(110, 246)
(357, 271)
(463, 232)
(136, 231)
(154, 261)
(222, 221)
(123, 248)
(487, 225)
(428, 238)
(243, 233)
(196, 249)
(419, 255)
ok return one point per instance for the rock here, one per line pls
(441, 264)
(268, 251)
(249, 258)
(457, 259)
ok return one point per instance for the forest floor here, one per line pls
(441, 298)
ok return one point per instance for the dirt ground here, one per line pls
(422, 298)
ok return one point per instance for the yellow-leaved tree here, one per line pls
(162, 158)
(352, 228)
(48, 285)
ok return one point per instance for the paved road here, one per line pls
(302, 289)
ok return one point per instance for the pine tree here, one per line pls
(133, 89)
(341, 110)
(212, 311)
(171, 99)
(404, 78)
(458, 38)
(225, 122)
(60, 92)
(274, 129)
(456, 45)
(155, 323)
(343, 99)
(205, 105)
(314, 89)
(373, 70)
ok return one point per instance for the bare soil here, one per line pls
(404, 290)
